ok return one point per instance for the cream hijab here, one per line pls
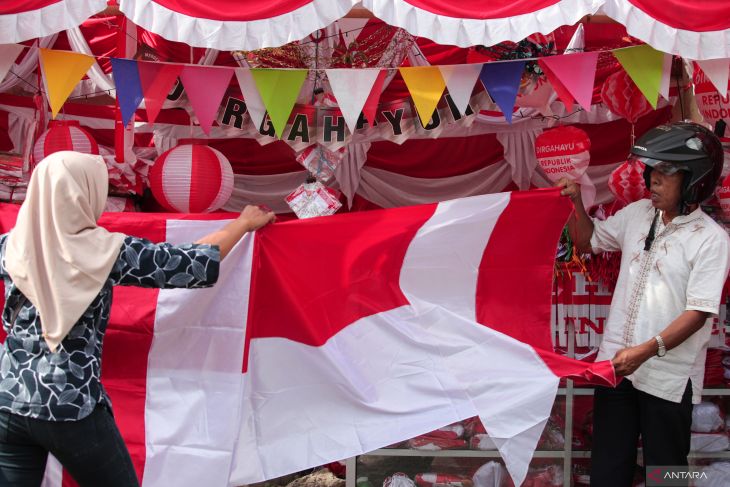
(56, 254)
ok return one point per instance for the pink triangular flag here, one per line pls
(460, 80)
(205, 87)
(666, 76)
(576, 73)
(156, 80)
(352, 88)
(371, 104)
(254, 104)
(559, 88)
(717, 71)
(8, 55)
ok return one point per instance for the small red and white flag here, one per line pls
(331, 337)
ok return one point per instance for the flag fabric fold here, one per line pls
(331, 337)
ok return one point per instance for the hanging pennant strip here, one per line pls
(279, 89)
(460, 80)
(370, 109)
(129, 88)
(644, 65)
(254, 104)
(156, 81)
(666, 76)
(62, 70)
(426, 87)
(205, 87)
(717, 71)
(502, 82)
(352, 88)
(8, 54)
(576, 73)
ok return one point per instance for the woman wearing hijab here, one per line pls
(59, 268)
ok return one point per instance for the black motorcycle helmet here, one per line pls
(687, 147)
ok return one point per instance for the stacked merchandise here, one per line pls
(12, 183)
(709, 429)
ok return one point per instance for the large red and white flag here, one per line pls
(331, 337)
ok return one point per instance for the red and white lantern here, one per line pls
(64, 135)
(621, 95)
(191, 178)
(563, 152)
(627, 182)
(723, 196)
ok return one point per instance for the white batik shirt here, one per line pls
(685, 269)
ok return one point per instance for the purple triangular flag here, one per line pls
(502, 82)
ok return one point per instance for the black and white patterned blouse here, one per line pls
(64, 385)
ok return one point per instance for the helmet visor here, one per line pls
(663, 167)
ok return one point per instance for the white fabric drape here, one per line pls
(387, 189)
(519, 152)
(347, 173)
(22, 72)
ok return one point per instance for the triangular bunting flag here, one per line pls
(205, 87)
(279, 89)
(576, 72)
(502, 82)
(562, 92)
(156, 80)
(350, 28)
(62, 71)
(370, 109)
(352, 88)
(666, 76)
(8, 54)
(644, 65)
(717, 71)
(254, 104)
(426, 87)
(460, 80)
(129, 88)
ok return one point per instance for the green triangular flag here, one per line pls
(644, 65)
(279, 89)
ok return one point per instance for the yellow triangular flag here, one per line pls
(426, 86)
(62, 70)
(644, 65)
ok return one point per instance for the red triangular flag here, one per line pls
(371, 104)
(558, 86)
(156, 80)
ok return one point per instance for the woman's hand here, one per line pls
(255, 217)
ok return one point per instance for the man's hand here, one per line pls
(255, 217)
(571, 189)
(627, 360)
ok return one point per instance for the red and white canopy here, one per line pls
(695, 30)
(691, 29)
(21, 20)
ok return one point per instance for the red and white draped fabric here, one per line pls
(226, 25)
(21, 20)
(480, 22)
(691, 29)
(365, 329)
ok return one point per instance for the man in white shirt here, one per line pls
(673, 267)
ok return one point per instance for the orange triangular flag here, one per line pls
(62, 71)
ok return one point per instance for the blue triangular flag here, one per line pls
(502, 82)
(129, 87)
